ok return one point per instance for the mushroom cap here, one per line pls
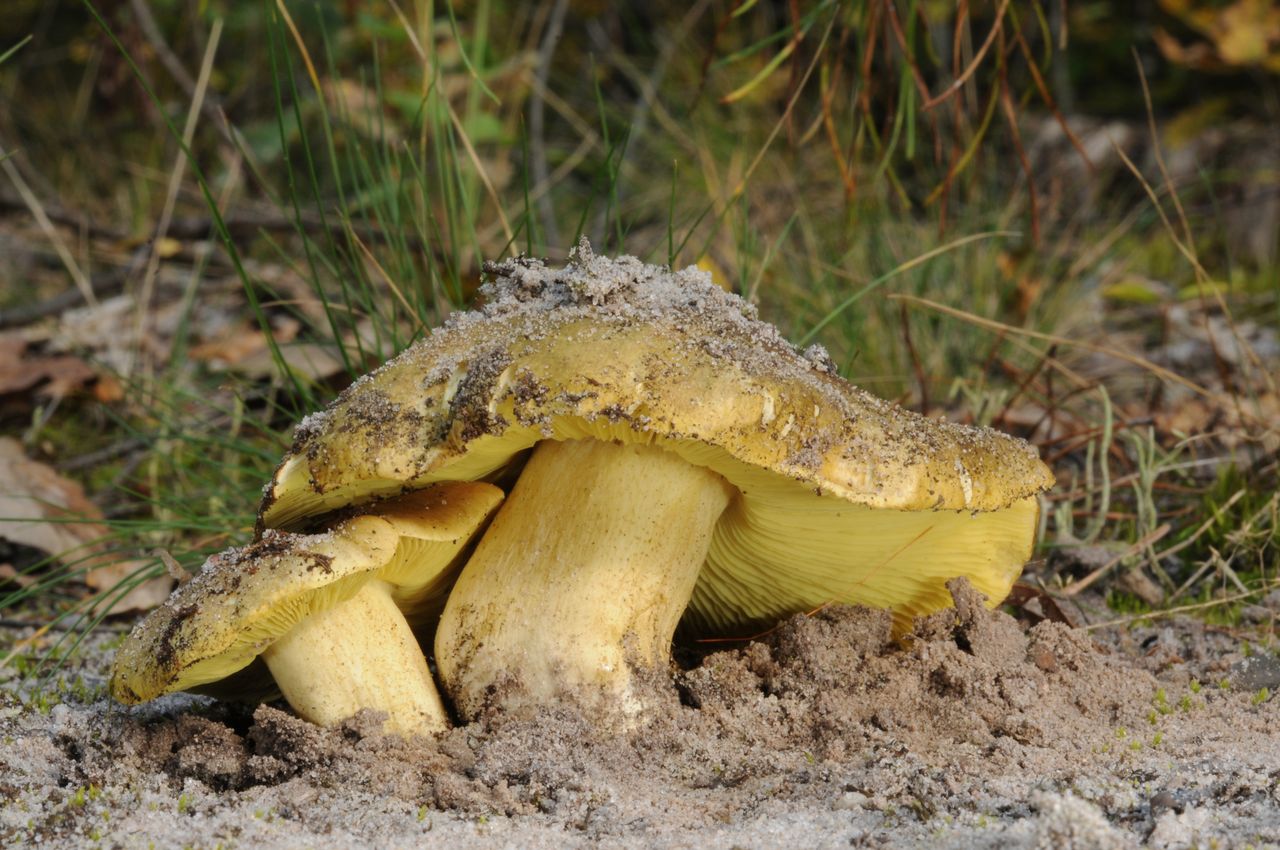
(243, 599)
(614, 349)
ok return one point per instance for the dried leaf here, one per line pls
(245, 352)
(230, 349)
(108, 389)
(143, 596)
(247, 342)
(1037, 605)
(1240, 34)
(307, 360)
(46, 511)
(9, 574)
(1245, 30)
(361, 108)
(168, 247)
(57, 376)
(1134, 289)
(172, 567)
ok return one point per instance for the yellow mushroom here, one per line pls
(675, 461)
(332, 614)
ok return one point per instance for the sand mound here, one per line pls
(970, 729)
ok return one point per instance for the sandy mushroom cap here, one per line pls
(616, 350)
(244, 600)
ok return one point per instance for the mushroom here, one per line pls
(676, 463)
(331, 613)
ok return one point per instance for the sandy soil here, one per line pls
(977, 732)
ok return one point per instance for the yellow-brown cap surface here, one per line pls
(245, 599)
(835, 484)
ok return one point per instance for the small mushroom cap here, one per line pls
(244, 599)
(618, 350)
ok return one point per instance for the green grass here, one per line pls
(812, 191)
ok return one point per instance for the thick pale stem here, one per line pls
(358, 654)
(581, 578)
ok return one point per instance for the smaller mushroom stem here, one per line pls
(580, 580)
(358, 654)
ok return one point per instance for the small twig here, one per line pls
(1050, 102)
(1224, 567)
(1109, 351)
(782, 120)
(1082, 439)
(847, 177)
(302, 45)
(537, 118)
(171, 566)
(245, 223)
(958, 82)
(649, 99)
(453, 117)
(894, 272)
(391, 284)
(891, 13)
(1195, 535)
(1026, 381)
(1011, 115)
(481, 172)
(916, 365)
(100, 456)
(1157, 149)
(65, 625)
(25, 314)
(1072, 495)
(175, 185)
(1077, 586)
(1169, 612)
(151, 31)
(209, 104)
(1242, 344)
(51, 233)
(60, 215)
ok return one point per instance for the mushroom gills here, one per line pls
(580, 579)
(782, 549)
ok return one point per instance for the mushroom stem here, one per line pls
(580, 580)
(358, 654)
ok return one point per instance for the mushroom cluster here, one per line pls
(539, 494)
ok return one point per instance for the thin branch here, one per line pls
(1142, 362)
(896, 25)
(175, 185)
(1050, 102)
(1077, 586)
(1011, 115)
(1169, 612)
(46, 226)
(537, 119)
(958, 83)
(209, 104)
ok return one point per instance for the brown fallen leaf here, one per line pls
(46, 511)
(307, 360)
(245, 351)
(56, 376)
(108, 389)
(1036, 605)
(232, 347)
(8, 573)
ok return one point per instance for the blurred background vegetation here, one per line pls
(1062, 218)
